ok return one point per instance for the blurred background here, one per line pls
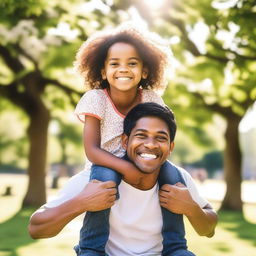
(212, 90)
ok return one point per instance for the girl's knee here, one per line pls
(183, 253)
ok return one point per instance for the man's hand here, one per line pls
(176, 198)
(97, 195)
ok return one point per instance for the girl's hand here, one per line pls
(133, 175)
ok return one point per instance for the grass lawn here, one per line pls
(235, 235)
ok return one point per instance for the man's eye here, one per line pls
(161, 138)
(140, 135)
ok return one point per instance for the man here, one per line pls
(136, 218)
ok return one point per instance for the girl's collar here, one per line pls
(113, 105)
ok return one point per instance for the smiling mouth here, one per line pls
(123, 78)
(148, 156)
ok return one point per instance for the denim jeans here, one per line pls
(173, 230)
(181, 252)
(95, 231)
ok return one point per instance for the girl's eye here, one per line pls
(132, 63)
(113, 64)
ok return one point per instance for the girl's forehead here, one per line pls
(122, 48)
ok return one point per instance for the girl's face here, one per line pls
(123, 67)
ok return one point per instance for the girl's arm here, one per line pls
(92, 140)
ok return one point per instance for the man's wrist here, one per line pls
(76, 207)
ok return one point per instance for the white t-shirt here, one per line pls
(135, 219)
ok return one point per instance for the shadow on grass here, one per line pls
(235, 222)
(14, 234)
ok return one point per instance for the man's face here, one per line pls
(148, 145)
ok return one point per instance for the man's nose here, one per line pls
(150, 143)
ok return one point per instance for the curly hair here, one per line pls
(153, 51)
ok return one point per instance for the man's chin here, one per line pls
(147, 169)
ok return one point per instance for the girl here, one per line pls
(121, 67)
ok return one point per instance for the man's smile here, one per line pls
(149, 145)
(148, 156)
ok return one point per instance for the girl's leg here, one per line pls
(95, 231)
(173, 226)
(182, 253)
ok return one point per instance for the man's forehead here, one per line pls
(151, 124)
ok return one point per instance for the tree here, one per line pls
(38, 41)
(215, 72)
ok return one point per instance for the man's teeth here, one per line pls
(148, 156)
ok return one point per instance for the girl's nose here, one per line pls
(123, 68)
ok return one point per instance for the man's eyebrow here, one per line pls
(144, 130)
(141, 130)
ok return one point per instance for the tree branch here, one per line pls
(13, 63)
(227, 112)
(69, 91)
(27, 56)
(244, 57)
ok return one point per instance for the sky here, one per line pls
(249, 121)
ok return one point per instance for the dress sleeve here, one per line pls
(91, 104)
(151, 96)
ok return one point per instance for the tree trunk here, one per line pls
(232, 167)
(37, 133)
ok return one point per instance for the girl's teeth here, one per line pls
(123, 78)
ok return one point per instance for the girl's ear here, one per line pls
(144, 73)
(124, 141)
(103, 74)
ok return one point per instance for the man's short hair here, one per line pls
(149, 109)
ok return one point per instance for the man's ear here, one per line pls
(124, 141)
(103, 74)
(172, 146)
(145, 73)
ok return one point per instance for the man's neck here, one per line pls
(148, 180)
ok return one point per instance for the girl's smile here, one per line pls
(123, 67)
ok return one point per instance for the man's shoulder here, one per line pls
(184, 173)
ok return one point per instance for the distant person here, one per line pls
(136, 225)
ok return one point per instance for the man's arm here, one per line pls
(203, 220)
(48, 222)
(177, 199)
